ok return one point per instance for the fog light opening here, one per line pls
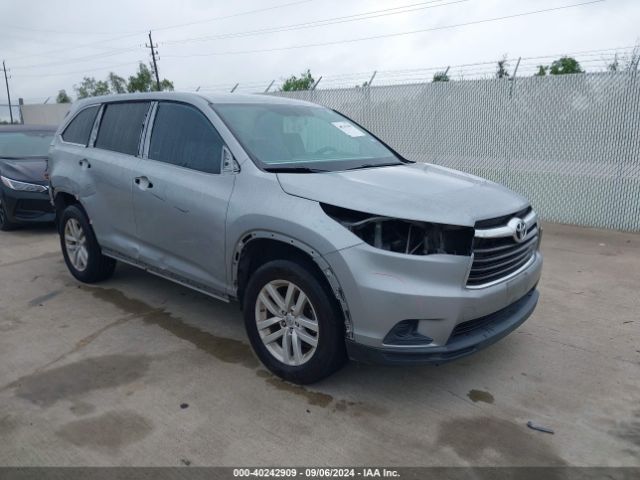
(406, 332)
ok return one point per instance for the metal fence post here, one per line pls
(269, 87)
(513, 79)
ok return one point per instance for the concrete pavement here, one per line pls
(140, 371)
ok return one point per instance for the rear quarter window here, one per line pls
(121, 127)
(79, 129)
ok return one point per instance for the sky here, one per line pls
(214, 44)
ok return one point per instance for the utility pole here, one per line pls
(6, 81)
(153, 56)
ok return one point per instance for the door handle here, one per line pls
(143, 182)
(84, 163)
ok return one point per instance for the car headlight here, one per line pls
(404, 236)
(23, 186)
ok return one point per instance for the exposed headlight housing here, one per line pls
(22, 186)
(404, 236)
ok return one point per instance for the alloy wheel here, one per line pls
(287, 322)
(75, 242)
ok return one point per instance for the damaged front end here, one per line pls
(408, 237)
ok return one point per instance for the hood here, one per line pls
(417, 191)
(25, 169)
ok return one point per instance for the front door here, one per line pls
(180, 197)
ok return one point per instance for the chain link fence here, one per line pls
(569, 143)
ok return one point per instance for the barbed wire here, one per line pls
(592, 61)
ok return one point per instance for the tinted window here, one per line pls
(121, 126)
(183, 136)
(79, 129)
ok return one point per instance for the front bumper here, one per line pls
(383, 288)
(489, 330)
(27, 207)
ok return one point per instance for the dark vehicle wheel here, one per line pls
(80, 248)
(293, 323)
(5, 224)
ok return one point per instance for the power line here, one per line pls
(59, 32)
(233, 15)
(85, 45)
(321, 23)
(62, 74)
(389, 35)
(168, 27)
(317, 23)
(85, 58)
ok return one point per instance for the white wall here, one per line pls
(44, 114)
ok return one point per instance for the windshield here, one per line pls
(304, 138)
(25, 144)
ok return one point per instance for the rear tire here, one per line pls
(80, 249)
(293, 322)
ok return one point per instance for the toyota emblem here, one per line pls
(519, 229)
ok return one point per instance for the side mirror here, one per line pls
(229, 163)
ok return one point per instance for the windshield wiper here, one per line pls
(371, 165)
(294, 170)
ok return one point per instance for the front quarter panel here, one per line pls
(259, 204)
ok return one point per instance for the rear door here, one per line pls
(67, 160)
(111, 165)
(181, 196)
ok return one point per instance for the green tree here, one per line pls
(166, 85)
(117, 83)
(542, 71)
(502, 68)
(304, 82)
(440, 77)
(86, 87)
(144, 81)
(63, 97)
(564, 66)
(90, 87)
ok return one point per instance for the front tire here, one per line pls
(293, 323)
(81, 250)
(5, 224)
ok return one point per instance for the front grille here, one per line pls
(497, 257)
(500, 221)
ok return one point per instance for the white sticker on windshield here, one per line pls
(346, 127)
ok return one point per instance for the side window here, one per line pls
(183, 136)
(121, 127)
(80, 127)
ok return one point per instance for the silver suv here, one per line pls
(333, 243)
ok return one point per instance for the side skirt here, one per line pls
(179, 279)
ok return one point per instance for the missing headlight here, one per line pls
(404, 236)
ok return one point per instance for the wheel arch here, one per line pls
(260, 246)
(61, 200)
